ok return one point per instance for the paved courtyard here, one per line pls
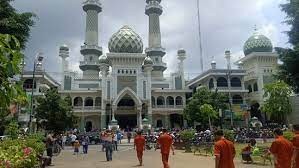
(126, 158)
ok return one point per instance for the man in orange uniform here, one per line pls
(282, 150)
(139, 145)
(296, 147)
(165, 142)
(224, 151)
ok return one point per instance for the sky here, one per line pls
(225, 25)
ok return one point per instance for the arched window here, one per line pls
(237, 99)
(170, 101)
(88, 101)
(235, 82)
(153, 101)
(160, 101)
(255, 87)
(78, 101)
(159, 123)
(211, 83)
(249, 88)
(98, 102)
(222, 82)
(28, 84)
(179, 101)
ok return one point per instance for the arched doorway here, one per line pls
(159, 124)
(126, 113)
(176, 121)
(88, 126)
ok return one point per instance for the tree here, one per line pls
(54, 113)
(217, 100)
(288, 71)
(11, 90)
(277, 103)
(208, 110)
(13, 23)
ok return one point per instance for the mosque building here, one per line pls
(125, 86)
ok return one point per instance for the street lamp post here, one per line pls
(38, 59)
(228, 56)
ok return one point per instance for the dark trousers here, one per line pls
(50, 154)
(115, 145)
(109, 151)
(85, 148)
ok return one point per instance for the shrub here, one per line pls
(187, 136)
(229, 135)
(288, 135)
(20, 153)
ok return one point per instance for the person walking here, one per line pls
(109, 145)
(224, 151)
(165, 143)
(295, 142)
(64, 137)
(85, 143)
(139, 145)
(282, 150)
(49, 146)
(119, 137)
(103, 139)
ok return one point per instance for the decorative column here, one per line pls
(104, 67)
(155, 50)
(139, 117)
(148, 67)
(167, 121)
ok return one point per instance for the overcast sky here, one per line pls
(226, 25)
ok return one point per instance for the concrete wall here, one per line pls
(294, 117)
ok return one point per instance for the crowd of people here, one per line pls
(285, 152)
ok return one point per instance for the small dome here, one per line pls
(125, 40)
(64, 47)
(148, 61)
(213, 62)
(104, 59)
(181, 51)
(240, 63)
(257, 43)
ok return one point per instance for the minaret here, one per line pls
(64, 53)
(90, 50)
(181, 57)
(155, 50)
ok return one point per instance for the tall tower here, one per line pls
(153, 9)
(90, 50)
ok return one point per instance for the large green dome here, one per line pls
(257, 43)
(125, 40)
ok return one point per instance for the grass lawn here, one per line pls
(257, 159)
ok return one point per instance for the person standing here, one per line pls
(76, 147)
(115, 142)
(85, 143)
(129, 136)
(282, 149)
(224, 151)
(119, 137)
(64, 137)
(165, 143)
(295, 142)
(139, 145)
(109, 145)
(49, 146)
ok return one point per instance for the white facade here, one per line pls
(125, 84)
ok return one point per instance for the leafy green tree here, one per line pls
(277, 103)
(288, 71)
(217, 100)
(54, 113)
(208, 110)
(11, 91)
(13, 23)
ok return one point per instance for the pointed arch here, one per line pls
(131, 93)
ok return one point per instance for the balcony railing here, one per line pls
(87, 107)
(168, 106)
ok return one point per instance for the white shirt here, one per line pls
(73, 137)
